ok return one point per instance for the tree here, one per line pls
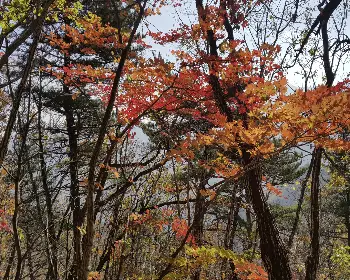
(121, 163)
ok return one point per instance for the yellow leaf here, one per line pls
(82, 230)
(75, 95)
(286, 132)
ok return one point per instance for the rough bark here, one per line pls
(232, 221)
(273, 252)
(198, 223)
(313, 259)
(74, 189)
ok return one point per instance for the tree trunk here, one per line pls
(23, 132)
(313, 259)
(300, 203)
(273, 253)
(198, 224)
(9, 264)
(231, 231)
(17, 100)
(347, 214)
(74, 190)
(50, 228)
(29, 252)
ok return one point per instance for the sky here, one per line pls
(170, 18)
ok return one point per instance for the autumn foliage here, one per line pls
(129, 164)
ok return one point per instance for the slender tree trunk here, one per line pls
(68, 250)
(312, 262)
(39, 212)
(9, 263)
(74, 179)
(15, 232)
(30, 261)
(249, 227)
(74, 190)
(17, 101)
(198, 224)
(106, 255)
(50, 228)
(347, 215)
(300, 203)
(231, 231)
(313, 259)
(23, 132)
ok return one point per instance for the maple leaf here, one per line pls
(181, 228)
(273, 189)
(286, 133)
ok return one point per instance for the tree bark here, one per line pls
(313, 259)
(273, 252)
(51, 233)
(231, 231)
(198, 223)
(347, 215)
(74, 190)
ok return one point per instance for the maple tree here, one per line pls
(118, 163)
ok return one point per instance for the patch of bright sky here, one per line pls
(170, 18)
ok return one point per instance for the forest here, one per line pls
(174, 139)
